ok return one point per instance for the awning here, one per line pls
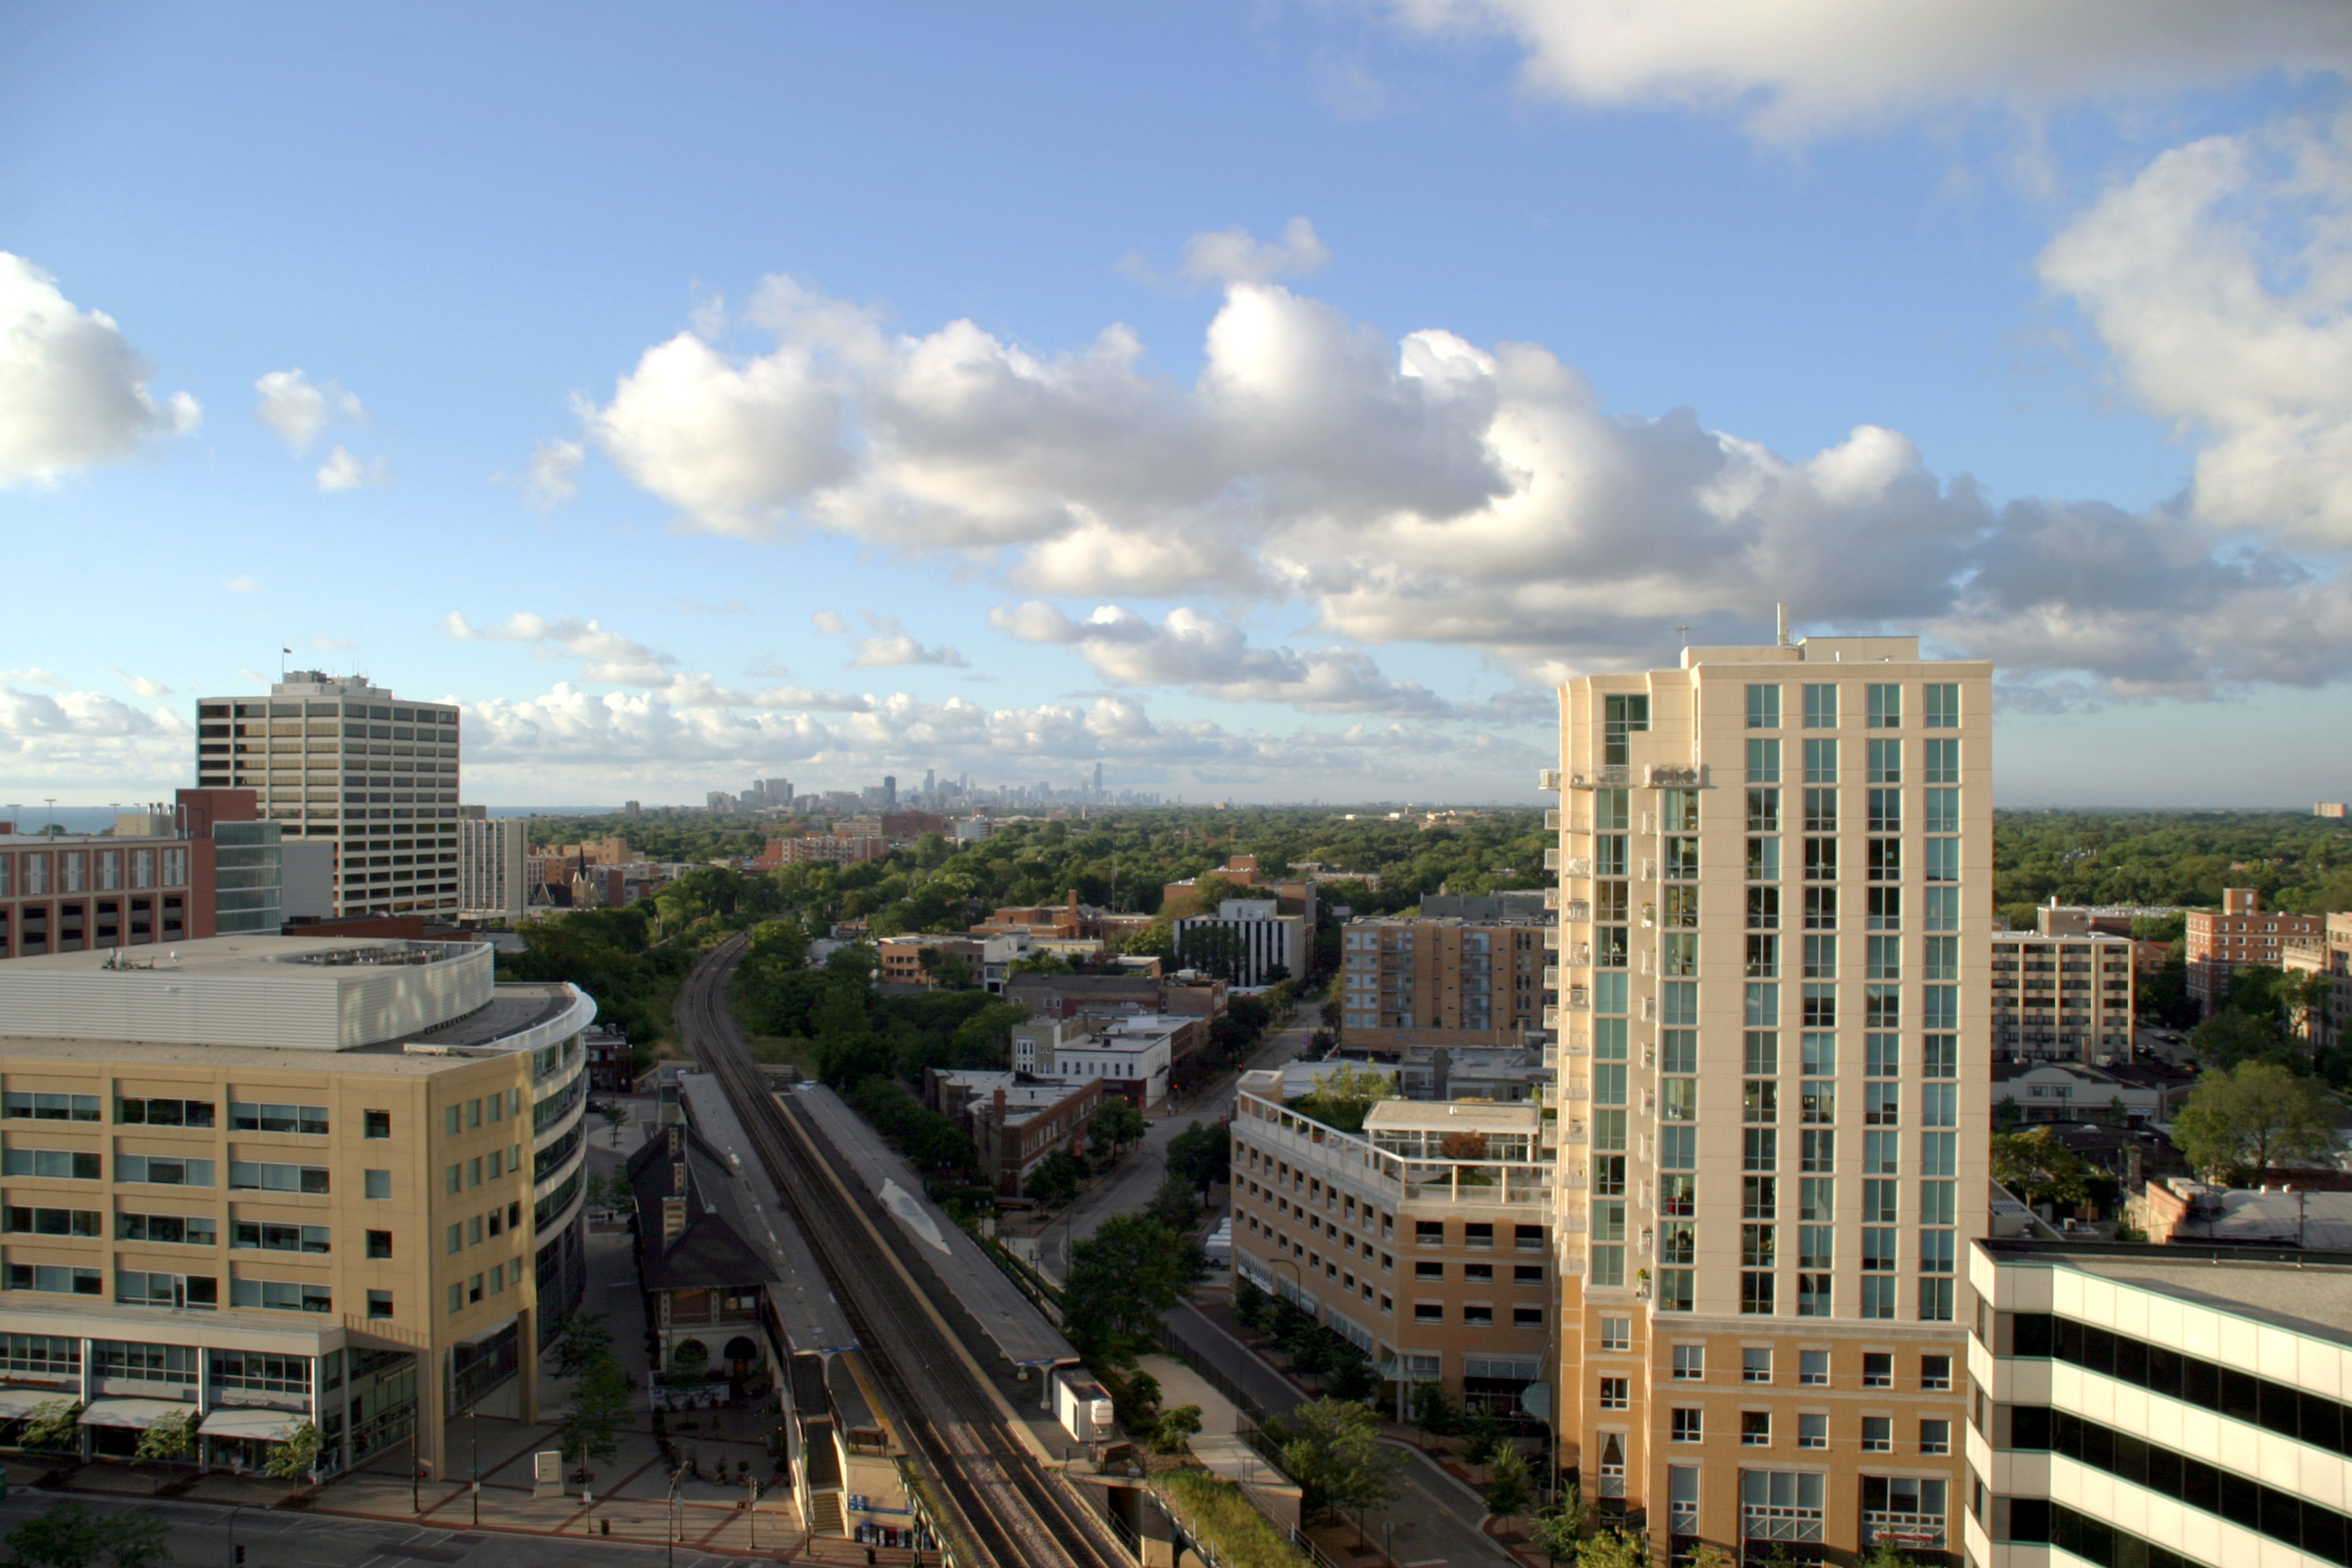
(18, 1402)
(136, 1414)
(269, 1426)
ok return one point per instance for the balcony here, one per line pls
(1576, 999)
(1662, 775)
(1551, 939)
(1551, 977)
(1618, 776)
(1548, 778)
(1576, 911)
(1649, 870)
(1551, 1018)
(1568, 865)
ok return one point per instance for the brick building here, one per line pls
(1407, 981)
(2221, 942)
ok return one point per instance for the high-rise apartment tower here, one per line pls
(1775, 901)
(348, 763)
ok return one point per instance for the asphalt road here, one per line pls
(276, 1538)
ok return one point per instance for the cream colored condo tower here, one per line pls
(1775, 897)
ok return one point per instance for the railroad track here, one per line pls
(998, 1504)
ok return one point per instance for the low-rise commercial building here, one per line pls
(2219, 942)
(1132, 1055)
(703, 1280)
(1016, 1121)
(2063, 1090)
(823, 850)
(1249, 940)
(2062, 996)
(1423, 1240)
(1408, 981)
(279, 1181)
(2181, 1407)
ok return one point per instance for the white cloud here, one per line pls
(73, 391)
(242, 586)
(138, 684)
(549, 482)
(890, 647)
(1198, 649)
(1798, 68)
(1424, 489)
(342, 471)
(2220, 279)
(612, 659)
(830, 622)
(32, 677)
(297, 408)
(1235, 256)
(694, 607)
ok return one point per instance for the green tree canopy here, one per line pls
(1345, 1094)
(2040, 1169)
(2237, 1125)
(1122, 1277)
(1332, 1449)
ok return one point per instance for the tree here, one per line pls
(580, 1338)
(1344, 1095)
(1250, 1304)
(1560, 1526)
(1054, 1178)
(2235, 1035)
(1211, 949)
(1481, 1437)
(1136, 1402)
(1201, 1154)
(73, 1537)
(616, 1117)
(1511, 1488)
(1432, 1412)
(171, 1435)
(1115, 1123)
(590, 1429)
(1332, 1449)
(2040, 1169)
(1611, 1549)
(295, 1454)
(1707, 1555)
(2237, 1125)
(1121, 1279)
(53, 1427)
(1351, 1374)
(1176, 1429)
(1885, 1553)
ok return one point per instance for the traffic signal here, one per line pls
(240, 1554)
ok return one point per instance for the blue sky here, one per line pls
(1268, 401)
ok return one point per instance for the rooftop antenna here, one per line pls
(1684, 631)
(1781, 613)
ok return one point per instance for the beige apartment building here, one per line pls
(267, 1181)
(2061, 998)
(1423, 1241)
(1441, 981)
(2326, 1021)
(1775, 902)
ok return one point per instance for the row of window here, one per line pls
(488, 1227)
(1687, 1424)
(1882, 705)
(244, 1116)
(140, 1288)
(1473, 1314)
(153, 1169)
(183, 1230)
(114, 870)
(1940, 763)
(492, 1282)
(1816, 1295)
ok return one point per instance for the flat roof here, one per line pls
(2307, 1293)
(1453, 1115)
(269, 956)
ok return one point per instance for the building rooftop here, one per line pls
(1453, 1115)
(2309, 1292)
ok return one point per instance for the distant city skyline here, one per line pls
(1257, 403)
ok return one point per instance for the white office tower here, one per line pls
(491, 865)
(352, 765)
(1775, 894)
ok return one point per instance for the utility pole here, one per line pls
(474, 1460)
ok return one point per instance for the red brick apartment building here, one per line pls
(152, 880)
(2220, 942)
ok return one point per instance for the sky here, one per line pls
(1269, 400)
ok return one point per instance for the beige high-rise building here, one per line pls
(347, 764)
(1775, 899)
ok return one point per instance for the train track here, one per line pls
(1000, 1506)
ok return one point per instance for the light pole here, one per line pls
(474, 1458)
(669, 1535)
(233, 1548)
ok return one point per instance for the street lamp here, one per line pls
(669, 1542)
(474, 1458)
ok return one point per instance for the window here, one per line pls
(1422, 1271)
(1935, 1436)
(1426, 1232)
(456, 1238)
(1526, 1317)
(1878, 1369)
(55, 1222)
(1622, 715)
(1615, 1393)
(253, 1117)
(376, 1124)
(1755, 1429)
(1763, 707)
(1689, 1363)
(50, 1107)
(379, 1302)
(1935, 1372)
(1812, 1431)
(1943, 705)
(154, 1170)
(260, 1175)
(1883, 761)
(1616, 1334)
(1429, 1311)
(138, 1289)
(378, 1184)
(1878, 1434)
(1756, 1363)
(1942, 761)
(1821, 707)
(1813, 1368)
(163, 1113)
(276, 1238)
(1763, 764)
(1478, 1233)
(1885, 707)
(64, 1164)
(1527, 1237)
(1821, 761)
(379, 1244)
(56, 1280)
(1686, 1425)
(281, 1295)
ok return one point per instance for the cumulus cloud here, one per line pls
(695, 607)
(2220, 278)
(1797, 68)
(73, 391)
(297, 408)
(830, 622)
(612, 659)
(343, 471)
(890, 647)
(1424, 489)
(1234, 255)
(242, 586)
(140, 684)
(1211, 655)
